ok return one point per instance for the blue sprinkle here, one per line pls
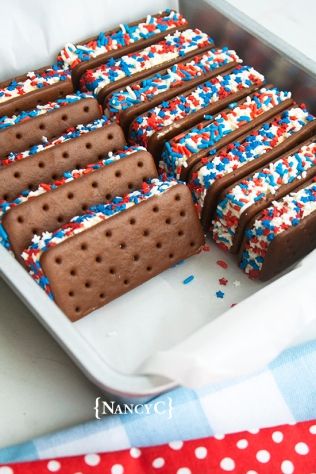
(220, 294)
(188, 280)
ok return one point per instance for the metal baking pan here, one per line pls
(112, 342)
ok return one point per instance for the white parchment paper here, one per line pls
(249, 335)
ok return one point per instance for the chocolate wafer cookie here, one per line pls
(67, 112)
(115, 74)
(126, 38)
(48, 207)
(36, 87)
(139, 96)
(48, 161)
(246, 198)
(214, 174)
(281, 234)
(186, 149)
(163, 122)
(118, 246)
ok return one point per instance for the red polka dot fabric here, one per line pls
(284, 449)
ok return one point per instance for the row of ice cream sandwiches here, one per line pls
(91, 198)
(161, 39)
(206, 119)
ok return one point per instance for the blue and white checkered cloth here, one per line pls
(285, 392)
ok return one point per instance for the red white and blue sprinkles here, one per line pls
(178, 74)
(34, 80)
(72, 55)
(281, 216)
(177, 152)
(238, 154)
(256, 187)
(172, 47)
(214, 90)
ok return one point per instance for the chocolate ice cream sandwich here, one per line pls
(118, 246)
(50, 205)
(27, 129)
(281, 234)
(186, 149)
(126, 38)
(139, 96)
(240, 203)
(33, 88)
(162, 123)
(214, 173)
(117, 73)
(46, 162)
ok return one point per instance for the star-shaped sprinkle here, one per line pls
(257, 224)
(220, 294)
(223, 281)
(222, 264)
(236, 283)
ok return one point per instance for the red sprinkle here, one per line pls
(223, 281)
(222, 264)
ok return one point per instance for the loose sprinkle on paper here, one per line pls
(222, 264)
(223, 281)
(188, 280)
(220, 294)
(236, 283)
